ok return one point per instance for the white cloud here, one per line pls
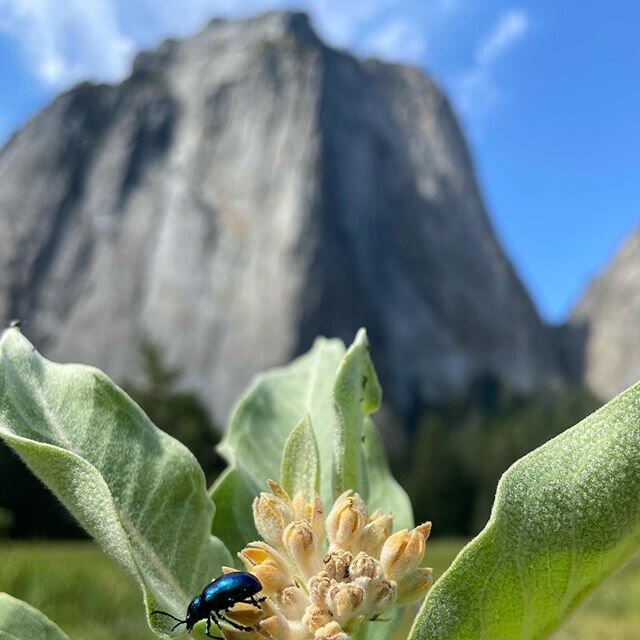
(510, 28)
(399, 39)
(344, 26)
(63, 40)
(399, 30)
(67, 40)
(475, 90)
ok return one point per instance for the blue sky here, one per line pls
(548, 93)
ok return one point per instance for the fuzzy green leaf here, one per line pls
(233, 493)
(385, 493)
(262, 421)
(137, 491)
(300, 469)
(565, 517)
(356, 394)
(20, 621)
(267, 440)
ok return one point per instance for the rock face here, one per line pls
(606, 325)
(245, 190)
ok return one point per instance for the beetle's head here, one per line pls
(193, 613)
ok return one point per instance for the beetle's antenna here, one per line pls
(164, 613)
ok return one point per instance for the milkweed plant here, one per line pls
(308, 506)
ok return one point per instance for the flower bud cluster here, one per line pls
(323, 579)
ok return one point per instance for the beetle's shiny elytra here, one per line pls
(218, 596)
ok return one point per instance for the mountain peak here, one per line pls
(607, 318)
(246, 190)
(296, 23)
(271, 24)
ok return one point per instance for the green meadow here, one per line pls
(91, 598)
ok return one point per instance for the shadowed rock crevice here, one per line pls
(152, 112)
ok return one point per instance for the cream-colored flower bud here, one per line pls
(331, 631)
(316, 616)
(299, 507)
(274, 627)
(404, 550)
(272, 580)
(364, 572)
(414, 586)
(279, 490)
(364, 566)
(344, 600)
(271, 515)
(298, 631)
(383, 596)
(336, 564)
(375, 533)
(291, 602)
(312, 512)
(268, 566)
(318, 586)
(346, 520)
(316, 517)
(245, 614)
(301, 545)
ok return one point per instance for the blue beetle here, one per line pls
(220, 595)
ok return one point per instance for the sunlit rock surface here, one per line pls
(606, 323)
(245, 190)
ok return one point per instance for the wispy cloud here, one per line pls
(475, 89)
(510, 28)
(63, 40)
(399, 39)
(66, 40)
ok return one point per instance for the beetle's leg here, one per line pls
(254, 601)
(207, 629)
(235, 625)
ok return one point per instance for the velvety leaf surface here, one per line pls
(136, 490)
(20, 621)
(565, 517)
(300, 469)
(356, 394)
(261, 423)
(233, 493)
(292, 423)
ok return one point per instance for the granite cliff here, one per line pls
(605, 325)
(246, 189)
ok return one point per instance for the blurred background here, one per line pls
(190, 193)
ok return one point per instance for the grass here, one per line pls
(85, 593)
(90, 598)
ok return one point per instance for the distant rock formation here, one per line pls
(605, 325)
(245, 190)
